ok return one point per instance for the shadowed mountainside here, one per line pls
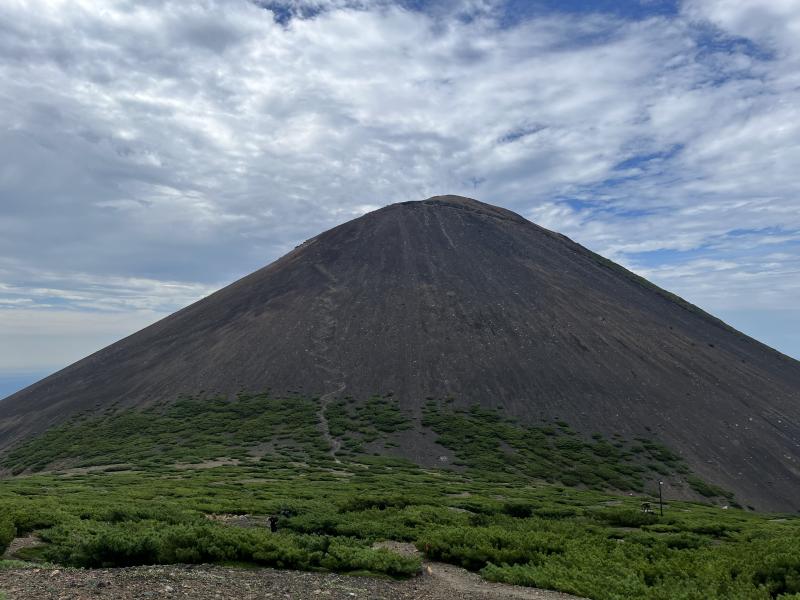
(450, 296)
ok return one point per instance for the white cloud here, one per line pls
(86, 292)
(775, 24)
(144, 143)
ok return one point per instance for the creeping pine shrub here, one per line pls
(556, 512)
(127, 543)
(779, 577)
(474, 547)
(706, 489)
(358, 503)
(625, 517)
(32, 518)
(343, 555)
(7, 533)
(520, 510)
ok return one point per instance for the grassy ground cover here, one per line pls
(505, 521)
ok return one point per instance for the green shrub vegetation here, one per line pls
(706, 489)
(359, 423)
(7, 532)
(510, 519)
(126, 543)
(190, 430)
(486, 441)
(195, 430)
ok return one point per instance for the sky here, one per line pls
(152, 151)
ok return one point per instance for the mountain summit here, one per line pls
(451, 297)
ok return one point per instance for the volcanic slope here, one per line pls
(453, 297)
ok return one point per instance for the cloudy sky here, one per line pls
(152, 151)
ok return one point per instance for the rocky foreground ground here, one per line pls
(205, 582)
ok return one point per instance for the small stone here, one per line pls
(169, 589)
(54, 573)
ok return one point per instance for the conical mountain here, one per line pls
(453, 297)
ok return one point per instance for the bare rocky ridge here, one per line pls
(450, 296)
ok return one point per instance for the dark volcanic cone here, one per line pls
(451, 296)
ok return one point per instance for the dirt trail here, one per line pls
(463, 584)
(321, 352)
(205, 582)
(21, 543)
(324, 400)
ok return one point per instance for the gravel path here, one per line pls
(322, 340)
(20, 543)
(205, 582)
